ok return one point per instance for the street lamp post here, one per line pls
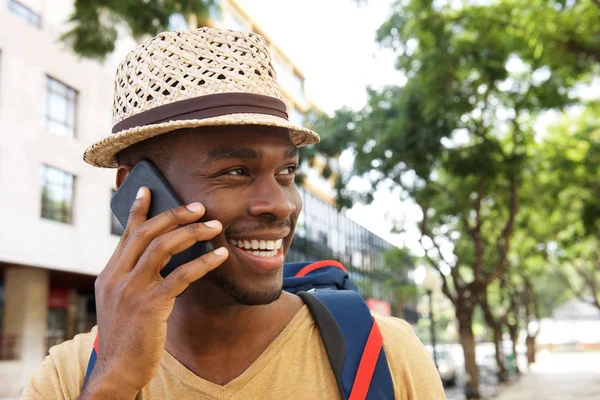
(429, 284)
(432, 327)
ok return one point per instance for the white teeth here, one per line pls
(268, 247)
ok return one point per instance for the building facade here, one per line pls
(56, 228)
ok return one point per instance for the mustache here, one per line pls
(255, 228)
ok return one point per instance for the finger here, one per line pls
(141, 237)
(138, 213)
(178, 280)
(161, 249)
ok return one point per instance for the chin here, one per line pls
(246, 291)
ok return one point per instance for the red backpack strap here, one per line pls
(317, 265)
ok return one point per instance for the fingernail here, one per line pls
(213, 224)
(140, 193)
(221, 251)
(195, 207)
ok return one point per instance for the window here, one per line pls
(57, 194)
(288, 78)
(177, 21)
(60, 108)
(296, 117)
(115, 226)
(24, 13)
(232, 22)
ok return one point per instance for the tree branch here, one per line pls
(506, 234)
(451, 195)
(445, 287)
(479, 251)
(592, 284)
(434, 264)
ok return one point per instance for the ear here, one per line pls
(122, 173)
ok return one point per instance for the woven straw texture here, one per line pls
(180, 65)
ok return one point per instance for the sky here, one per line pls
(333, 44)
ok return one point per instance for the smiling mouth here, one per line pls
(260, 248)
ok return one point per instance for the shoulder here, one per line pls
(62, 372)
(411, 366)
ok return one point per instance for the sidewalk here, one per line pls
(558, 376)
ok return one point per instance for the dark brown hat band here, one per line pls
(209, 106)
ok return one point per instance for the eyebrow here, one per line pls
(246, 153)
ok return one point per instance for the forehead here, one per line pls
(229, 141)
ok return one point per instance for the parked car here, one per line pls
(446, 364)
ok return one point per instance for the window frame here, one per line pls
(25, 13)
(66, 96)
(67, 217)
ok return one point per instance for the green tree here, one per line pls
(397, 264)
(96, 23)
(458, 136)
(572, 159)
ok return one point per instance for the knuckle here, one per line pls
(183, 275)
(172, 213)
(133, 210)
(156, 246)
(203, 261)
(140, 233)
(192, 228)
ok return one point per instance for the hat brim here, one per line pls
(103, 154)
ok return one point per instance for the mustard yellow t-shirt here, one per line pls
(294, 366)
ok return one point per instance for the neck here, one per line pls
(210, 337)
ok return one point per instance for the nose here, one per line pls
(272, 200)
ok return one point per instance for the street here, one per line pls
(560, 376)
(563, 376)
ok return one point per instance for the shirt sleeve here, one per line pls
(61, 374)
(413, 372)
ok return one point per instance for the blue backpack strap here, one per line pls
(91, 363)
(326, 274)
(353, 344)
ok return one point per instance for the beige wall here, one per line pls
(27, 55)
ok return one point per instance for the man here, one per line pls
(205, 108)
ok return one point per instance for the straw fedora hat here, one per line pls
(186, 79)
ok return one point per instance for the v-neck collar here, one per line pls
(225, 391)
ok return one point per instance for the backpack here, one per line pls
(351, 336)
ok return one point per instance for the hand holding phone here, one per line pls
(145, 173)
(133, 300)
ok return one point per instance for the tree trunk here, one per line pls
(530, 341)
(467, 340)
(500, 361)
(514, 337)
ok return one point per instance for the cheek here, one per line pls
(217, 206)
(296, 199)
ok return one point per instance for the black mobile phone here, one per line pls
(145, 173)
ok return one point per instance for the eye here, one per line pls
(236, 172)
(291, 170)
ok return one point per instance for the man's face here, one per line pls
(244, 176)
